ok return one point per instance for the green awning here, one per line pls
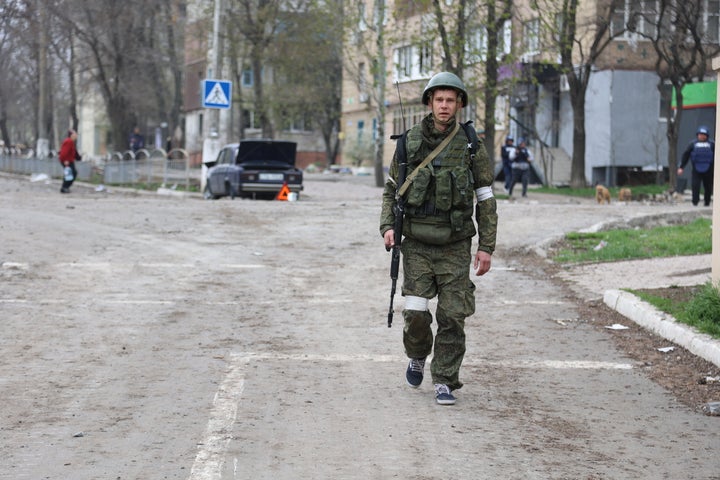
(697, 95)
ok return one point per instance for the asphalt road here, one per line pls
(168, 337)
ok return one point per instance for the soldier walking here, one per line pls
(449, 177)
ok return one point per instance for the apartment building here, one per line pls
(626, 106)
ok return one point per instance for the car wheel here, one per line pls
(229, 189)
(208, 195)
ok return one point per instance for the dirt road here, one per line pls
(164, 337)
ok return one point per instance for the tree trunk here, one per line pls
(577, 171)
(490, 89)
(673, 127)
(260, 109)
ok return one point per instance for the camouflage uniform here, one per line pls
(438, 230)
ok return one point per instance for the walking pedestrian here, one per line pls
(701, 152)
(450, 179)
(67, 156)
(137, 141)
(506, 162)
(521, 159)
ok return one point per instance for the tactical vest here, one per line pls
(702, 156)
(439, 203)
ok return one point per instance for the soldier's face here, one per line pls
(445, 104)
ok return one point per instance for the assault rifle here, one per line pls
(399, 211)
(397, 229)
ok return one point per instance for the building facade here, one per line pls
(626, 104)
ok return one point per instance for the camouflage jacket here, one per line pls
(425, 200)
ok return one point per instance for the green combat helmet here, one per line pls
(447, 80)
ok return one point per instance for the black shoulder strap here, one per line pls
(400, 147)
(471, 135)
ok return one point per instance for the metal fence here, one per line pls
(120, 168)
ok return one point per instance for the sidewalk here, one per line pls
(607, 281)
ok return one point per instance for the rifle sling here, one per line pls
(403, 188)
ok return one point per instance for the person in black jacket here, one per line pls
(506, 162)
(521, 158)
(701, 152)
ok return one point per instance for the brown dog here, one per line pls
(602, 194)
(625, 195)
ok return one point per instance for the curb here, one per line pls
(663, 324)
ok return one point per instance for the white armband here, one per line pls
(483, 193)
(416, 303)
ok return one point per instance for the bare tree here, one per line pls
(683, 51)
(364, 55)
(580, 44)
(258, 23)
(127, 50)
(455, 25)
(496, 14)
(9, 19)
(306, 56)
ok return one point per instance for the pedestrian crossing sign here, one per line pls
(216, 93)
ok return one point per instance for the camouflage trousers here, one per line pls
(442, 271)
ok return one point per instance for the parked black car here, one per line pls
(254, 168)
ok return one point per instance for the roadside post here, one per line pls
(715, 258)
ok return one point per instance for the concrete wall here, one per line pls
(623, 125)
(598, 124)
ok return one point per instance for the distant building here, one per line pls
(240, 120)
(626, 109)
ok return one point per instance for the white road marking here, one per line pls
(105, 301)
(532, 302)
(209, 461)
(15, 265)
(155, 265)
(470, 362)
(211, 450)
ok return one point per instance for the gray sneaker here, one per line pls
(414, 372)
(443, 395)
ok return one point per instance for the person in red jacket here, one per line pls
(68, 155)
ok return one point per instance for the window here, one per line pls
(425, 58)
(712, 21)
(531, 37)
(414, 114)
(404, 62)
(360, 131)
(413, 61)
(297, 123)
(248, 117)
(640, 16)
(476, 47)
(646, 12)
(362, 24)
(247, 77)
(506, 38)
(362, 79)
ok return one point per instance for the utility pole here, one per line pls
(211, 143)
(217, 47)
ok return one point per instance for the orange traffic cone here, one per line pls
(283, 193)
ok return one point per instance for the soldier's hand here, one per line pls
(482, 262)
(389, 239)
